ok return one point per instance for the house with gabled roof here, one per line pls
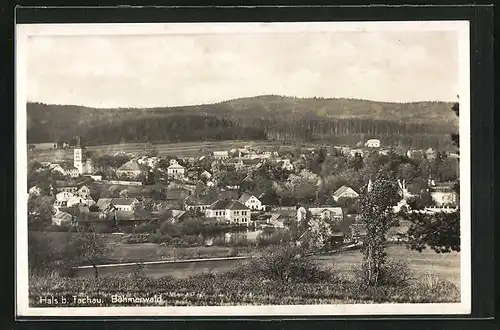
(205, 175)
(230, 194)
(70, 169)
(251, 202)
(176, 171)
(221, 154)
(372, 143)
(231, 211)
(345, 192)
(60, 218)
(124, 204)
(68, 186)
(329, 213)
(197, 203)
(35, 191)
(64, 196)
(77, 200)
(84, 192)
(130, 169)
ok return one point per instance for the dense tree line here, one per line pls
(178, 128)
(282, 119)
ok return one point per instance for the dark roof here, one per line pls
(62, 183)
(200, 200)
(228, 194)
(133, 215)
(177, 193)
(228, 205)
(342, 190)
(103, 202)
(245, 197)
(67, 166)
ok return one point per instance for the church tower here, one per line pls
(79, 158)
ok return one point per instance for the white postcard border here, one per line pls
(23, 31)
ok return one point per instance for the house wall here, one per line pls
(67, 189)
(239, 216)
(444, 198)
(128, 173)
(254, 204)
(64, 196)
(125, 207)
(233, 216)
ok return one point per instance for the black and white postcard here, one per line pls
(243, 169)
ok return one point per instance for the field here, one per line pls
(223, 283)
(424, 264)
(444, 265)
(43, 152)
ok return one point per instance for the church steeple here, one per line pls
(79, 144)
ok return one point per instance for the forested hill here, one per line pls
(261, 117)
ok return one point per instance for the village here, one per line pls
(239, 190)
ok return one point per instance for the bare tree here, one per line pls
(87, 245)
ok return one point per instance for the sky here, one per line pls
(188, 69)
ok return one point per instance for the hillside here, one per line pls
(259, 117)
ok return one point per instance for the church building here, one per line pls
(80, 160)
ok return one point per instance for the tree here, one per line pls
(302, 186)
(40, 212)
(150, 150)
(41, 255)
(320, 233)
(87, 245)
(407, 172)
(441, 232)
(377, 216)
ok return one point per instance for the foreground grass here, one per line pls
(210, 290)
(423, 264)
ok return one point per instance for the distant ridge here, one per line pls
(47, 122)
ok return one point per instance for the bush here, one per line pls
(284, 264)
(275, 238)
(233, 253)
(395, 273)
(135, 239)
(144, 228)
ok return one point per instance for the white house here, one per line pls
(130, 169)
(56, 168)
(83, 192)
(221, 154)
(176, 171)
(60, 218)
(35, 191)
(229, 211)
(251, 202)
(206, 175)
(96, 176)
(355, 152)
(64, 196)
(372, 143)
(286, 164)
(345, 192)
(124, 204)
(75, 200)
(70, 170)
(444, 197)
(327, 213)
